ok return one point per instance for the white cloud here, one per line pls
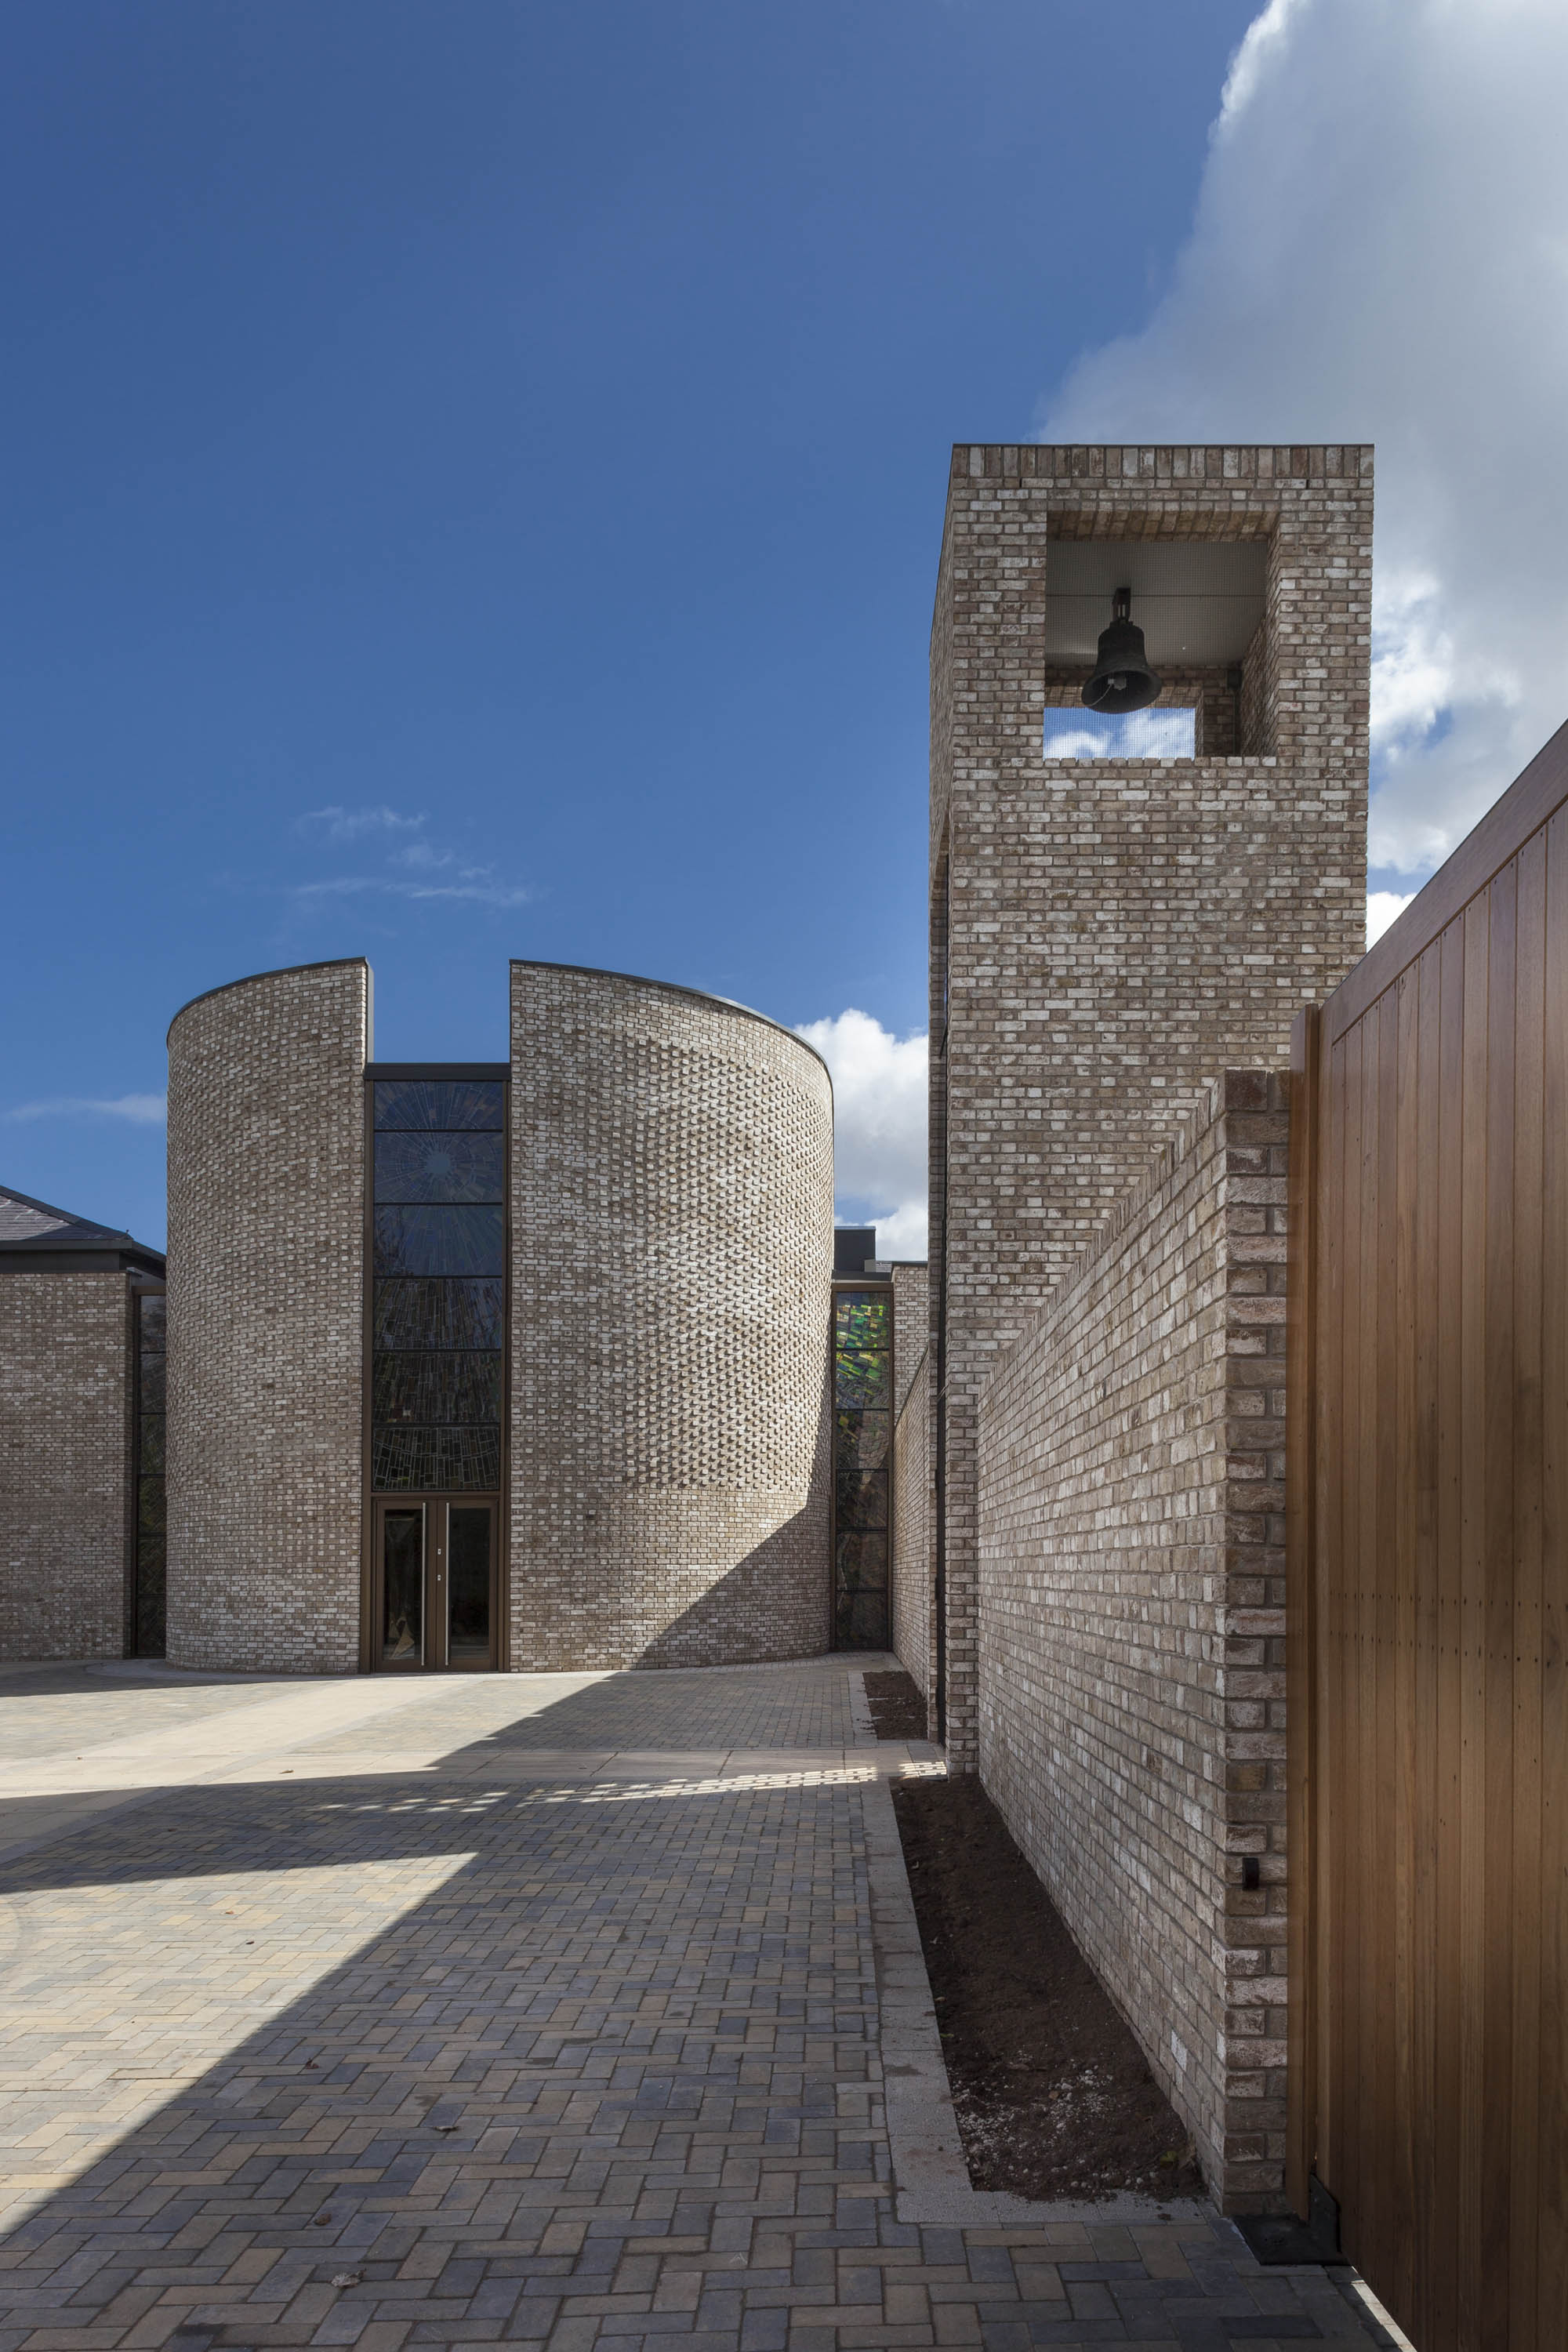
(1380, 252)
(353, 825)
(1382, 907)
(476, 883)
(142, 1110)
(880, 1126)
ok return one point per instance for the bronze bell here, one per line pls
(1122, 678)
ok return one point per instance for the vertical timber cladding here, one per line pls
(1428, 1531)
(266, 1302)
(1118, 932)
(671, 1253)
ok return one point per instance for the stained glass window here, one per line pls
(151, 1521)
(439, 1164)
(862, 1447)
(438, 1305)
(440, 1241)
(475, 1104)
(452, 1313)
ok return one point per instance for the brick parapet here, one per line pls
(1131, 1627)
(265, 1306)
(671, 1255)
(66, 1498)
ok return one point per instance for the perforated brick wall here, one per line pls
(913, 1588)
(1118, 934)
(266, 1297)
(1131, 1620)
(65, 1463)
(671, 1253)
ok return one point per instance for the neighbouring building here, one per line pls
(81, 1436)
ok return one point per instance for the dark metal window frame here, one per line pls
(436, 1073)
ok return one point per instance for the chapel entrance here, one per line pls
(435, 1583)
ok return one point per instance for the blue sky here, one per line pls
(475, 472)
(531, 424)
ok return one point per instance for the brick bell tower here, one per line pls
(1110, 932)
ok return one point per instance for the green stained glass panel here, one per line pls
(439, 1165)
(472, 1103)
(429, 1313)
(863, 1319)
(468, 1241)
(862, 1377)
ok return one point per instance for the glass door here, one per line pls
(400, 1577)
(436, 1583)
(469, 1570)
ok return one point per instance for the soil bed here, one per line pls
(897, 1709)
(1053, 2096)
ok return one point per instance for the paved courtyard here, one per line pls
(538, 2009)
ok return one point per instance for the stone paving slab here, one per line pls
(544, 2040)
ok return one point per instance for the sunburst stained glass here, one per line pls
(438, 1305)
(441, 1164)
(862, 1444)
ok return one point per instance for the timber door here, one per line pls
(435, 1583)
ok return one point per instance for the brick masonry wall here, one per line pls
(1118, 934)
(671, 1255)
(65, 1463)
(1131, 1620)
(266, 1292)
(913, 1531)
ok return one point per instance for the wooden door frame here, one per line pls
(490, 1503)
(435, 1605)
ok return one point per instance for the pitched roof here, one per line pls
(37, 1229)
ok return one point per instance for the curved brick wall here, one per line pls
(266, 1286)
(671, 1249)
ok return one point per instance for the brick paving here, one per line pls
(530, 2009)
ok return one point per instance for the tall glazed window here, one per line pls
(862, 1466)
(151, 1342)
(438, 1275)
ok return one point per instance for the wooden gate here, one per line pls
(1428, 1582)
